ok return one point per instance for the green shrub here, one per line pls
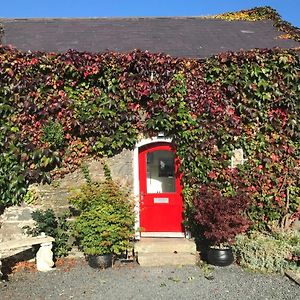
(268, 253)
(57, 227)
(62, 244)
(106, 220)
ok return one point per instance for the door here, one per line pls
(161, 204)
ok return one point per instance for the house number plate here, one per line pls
(161, 200)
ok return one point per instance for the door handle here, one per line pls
(142, 198)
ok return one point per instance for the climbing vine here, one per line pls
(263, 13)
(58, 109)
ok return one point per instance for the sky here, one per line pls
(288, 9)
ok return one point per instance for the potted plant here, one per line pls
(220, 218)
(105, 223)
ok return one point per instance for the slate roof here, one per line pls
(192, 37)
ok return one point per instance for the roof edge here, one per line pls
(258, 13)
(262, 13)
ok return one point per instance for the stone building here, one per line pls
(188, 37)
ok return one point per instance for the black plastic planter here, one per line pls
(100, 261)
(220, 257)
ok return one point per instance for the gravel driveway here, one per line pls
(134, 282)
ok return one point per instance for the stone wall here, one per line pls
(13, 220)
(55, 195)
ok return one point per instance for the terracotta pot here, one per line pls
(220, 257)
(100, 261)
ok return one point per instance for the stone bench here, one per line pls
(44, 256)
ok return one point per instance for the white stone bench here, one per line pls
(44, 256)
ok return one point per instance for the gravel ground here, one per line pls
(80, 281)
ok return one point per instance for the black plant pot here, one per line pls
(220, 257)
(100, 261)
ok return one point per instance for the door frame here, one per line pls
(136, 184)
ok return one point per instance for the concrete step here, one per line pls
(169, 245)
(166, 259)
(165, 251)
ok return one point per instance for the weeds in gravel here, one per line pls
(206, 269)
(174, 279)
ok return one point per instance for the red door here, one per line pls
(161, 205)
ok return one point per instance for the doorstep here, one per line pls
(166, 251)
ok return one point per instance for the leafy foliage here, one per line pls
(106, 220)
(268, 253)
(272, 168)
(86, 173)
(220, 218)
(32, 195)
(12, 180)
(53, 134)
(56, 227)
(247, 100)
(263, 13)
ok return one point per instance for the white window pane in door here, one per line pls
(161, 172)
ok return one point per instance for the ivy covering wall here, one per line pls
(57, 109)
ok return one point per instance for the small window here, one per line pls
(161, 172)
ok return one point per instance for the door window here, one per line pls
(161, 172)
